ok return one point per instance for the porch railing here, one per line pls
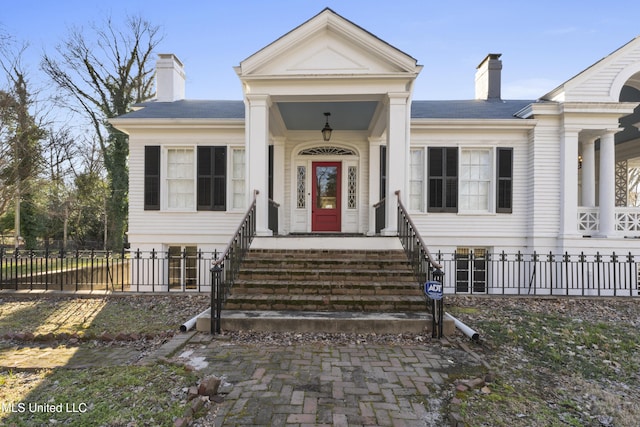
(627, 220)
(225, 268)
(422, 261)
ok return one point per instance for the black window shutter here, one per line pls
(204, 189)
(271, 172)
(504, 180)
(383, 171)
(212, 178)
(152, 177)
(443, 179)
(219, 179)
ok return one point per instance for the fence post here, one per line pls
(614, 261)
(433, 289)
(630, 281)
(582, 260)
(216, 298)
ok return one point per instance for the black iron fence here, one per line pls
(465, 272)
(484, 272)
(64, 270)
(125, 271)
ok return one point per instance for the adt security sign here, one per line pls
(433, 290)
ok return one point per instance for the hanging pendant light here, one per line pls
(326, 130)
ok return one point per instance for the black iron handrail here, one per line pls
(380, 215)
(422, 261)
(225, 268)
(425, 267)
(273, 216)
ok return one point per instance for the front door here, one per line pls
(325, 212)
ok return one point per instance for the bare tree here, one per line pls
(7, 106)
(104, 73)
(20, 137)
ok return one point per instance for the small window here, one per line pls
(471, 270)
(416, 179)
(183, 267)
(238, 179)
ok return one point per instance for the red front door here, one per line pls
(325, 213)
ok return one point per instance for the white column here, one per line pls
(607, 188)
(397, 155)
(569, 181)
(257, 137)
(589, 173)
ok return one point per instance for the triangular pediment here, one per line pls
(327, 44)
(603, 81)
(328, 58)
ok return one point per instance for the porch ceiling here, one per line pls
(346, 115)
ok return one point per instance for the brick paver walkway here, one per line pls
(329, 385)
(302, 384)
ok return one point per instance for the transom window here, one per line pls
(327, 150)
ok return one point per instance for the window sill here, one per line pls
(477, 213)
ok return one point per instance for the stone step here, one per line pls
(326, 263)
(327, 322)
(307, 287)
(381, 255)
(379, 303)
(361, 280)
(326, 274)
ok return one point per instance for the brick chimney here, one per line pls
(170, 78)
(488, 80)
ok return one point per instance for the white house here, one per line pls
(558, 173)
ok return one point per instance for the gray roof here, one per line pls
(188, 109)
(201, 109)
(467, 109)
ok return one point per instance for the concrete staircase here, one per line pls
(285, 286)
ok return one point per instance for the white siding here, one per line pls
(595, 83)
(448, 230)
(205, 229)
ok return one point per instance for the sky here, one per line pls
(543, 43)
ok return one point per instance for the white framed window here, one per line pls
(352, 187)
(182, 267)
(301, 187)
(416, 180)
(476, 172)
(238, 196)
(180, 179)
